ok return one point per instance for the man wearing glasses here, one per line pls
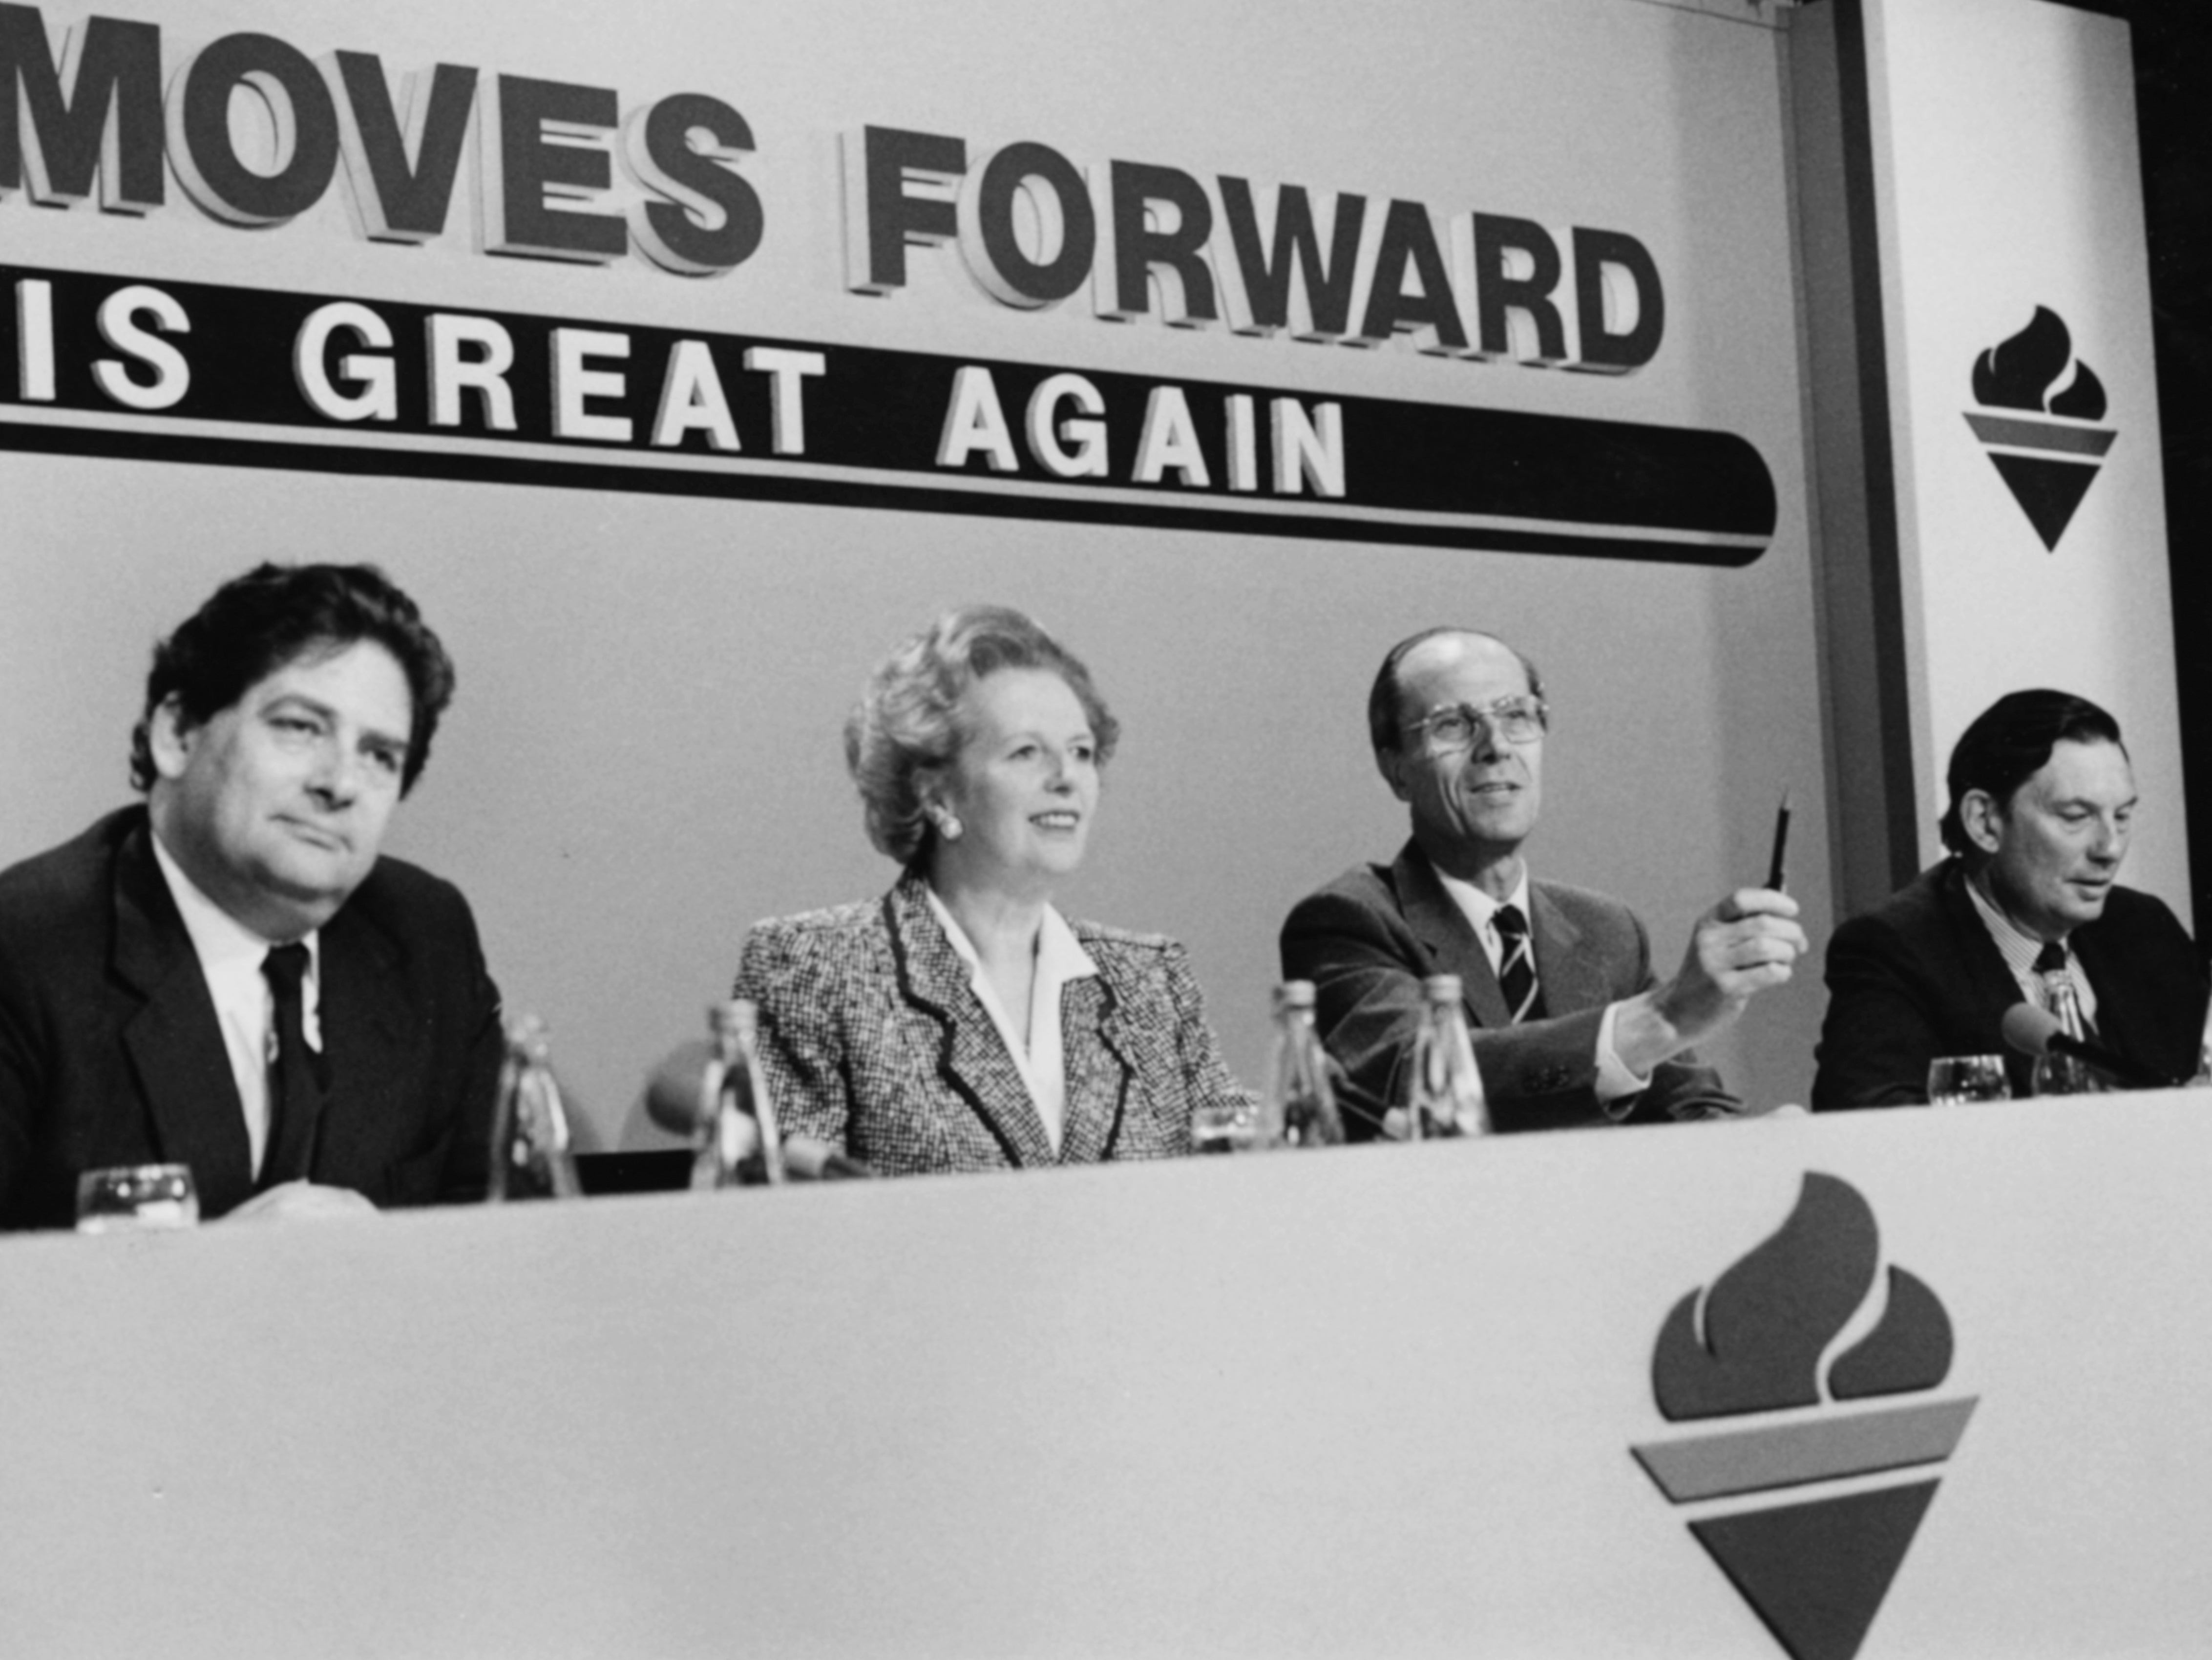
(1571, 1026)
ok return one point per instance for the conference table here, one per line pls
(1369, 1401)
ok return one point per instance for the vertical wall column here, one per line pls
(1866, 699)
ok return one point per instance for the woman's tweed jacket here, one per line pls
(872, 1038)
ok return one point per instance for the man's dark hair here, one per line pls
(2007, 745)
(256, 623)
(1384, 696)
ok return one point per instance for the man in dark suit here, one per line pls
(2028, 908)
(229, 976)
(1571, 1026)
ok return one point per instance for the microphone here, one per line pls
(2037, 1032)
(673, 1094)
(675, 1097)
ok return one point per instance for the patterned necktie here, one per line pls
(296, 1074)
(2059, 995)
(1516, 967)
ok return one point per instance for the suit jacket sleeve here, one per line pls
(800, 994)
(1206, 1076)
(22, 1084)
(445, 1011)
(467, 1172)
(1683, 1089)
(1880, 1032)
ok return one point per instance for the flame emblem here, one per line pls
(2037, 457)
(2018, 373)
(1759, 1341)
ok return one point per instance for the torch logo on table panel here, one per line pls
(1765, 1342)
(2047, 464)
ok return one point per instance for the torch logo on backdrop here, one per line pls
(1754, 1345)
(2048, 465)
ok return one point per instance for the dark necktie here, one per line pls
(2059, 994)
(296, 1072)
(1516, 966)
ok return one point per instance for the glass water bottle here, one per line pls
(530, 1145)
(738, 1138)
(1299, 1109)
(1445, 1098)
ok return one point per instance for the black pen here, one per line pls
(1776, 869)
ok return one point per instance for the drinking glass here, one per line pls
(130, 1196)
(1222, 1127)
(2064, 1075)
(1955, 1079)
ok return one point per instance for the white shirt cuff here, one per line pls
(1615, 1081)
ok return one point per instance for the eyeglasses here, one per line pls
(1445, 730)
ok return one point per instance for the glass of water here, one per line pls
(1955, 1079)
(136, 1196)
(2064, 1075)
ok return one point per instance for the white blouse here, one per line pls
(1041, 1062)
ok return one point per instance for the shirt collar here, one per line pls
(1059, 955)
(219, 939)
(1479, 908)
(2019, 949)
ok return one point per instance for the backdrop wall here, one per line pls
(644, 755)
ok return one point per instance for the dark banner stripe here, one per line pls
(874, 422)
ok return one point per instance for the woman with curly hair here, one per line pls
(961, 1023)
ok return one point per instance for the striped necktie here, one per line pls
(2059, 995)
(1516, 967)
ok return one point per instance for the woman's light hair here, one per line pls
(906, 730)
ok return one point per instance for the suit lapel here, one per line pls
(972, 1058)
(365, 1021)
(2119, 1024)
(1989, 983)
(175, 1041)
(1993, 985)
(1569, 978)
(1441, 925)
(2111, 1022)
(1095, 1046)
